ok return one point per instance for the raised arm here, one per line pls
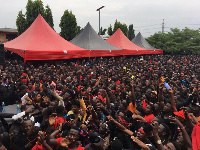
(186, 137)
(120, 126)
(140, 143)
(41, 140)
(133, 99)
(107, 99)
(157, 138)
(97, 83)
(94, 114)
(173, 103)
(160, 96)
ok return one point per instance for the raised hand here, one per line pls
(176, 121)
(65, 142)
(110, 118)
(161, 86)
(60, 126)
(186, 114)
(29, 110)
(42, 136)
(171, 91)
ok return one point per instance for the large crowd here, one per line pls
(111, 103)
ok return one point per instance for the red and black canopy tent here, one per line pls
(119, 40)
(41, 42)
(89, 39)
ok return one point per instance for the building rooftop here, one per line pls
(9, 30)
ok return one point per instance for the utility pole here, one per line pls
(163, 26)
(99, 16)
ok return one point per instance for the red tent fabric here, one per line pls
(41, 42)
(118, 39)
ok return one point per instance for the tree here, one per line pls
(79, 29)
(48, 16)
(38, 8)
(33, 9)
(123, 27)
(131, 32)
(29, 13)
(110, 31)
(68, 25)
(185, 41)
(102, 31)
(21, 23)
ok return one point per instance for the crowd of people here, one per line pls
(111, 103)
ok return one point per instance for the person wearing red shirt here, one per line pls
(69, 141)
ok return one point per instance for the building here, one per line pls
(7, 34)
(105, 37)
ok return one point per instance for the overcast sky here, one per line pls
(145, 15)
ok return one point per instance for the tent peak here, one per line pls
(39, 15)
(119, 29)
(88, 24)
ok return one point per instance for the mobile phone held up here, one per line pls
(167, 85)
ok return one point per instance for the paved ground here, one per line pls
(11, 109)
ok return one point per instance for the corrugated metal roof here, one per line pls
(9, 30)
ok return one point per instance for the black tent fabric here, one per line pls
(141, 42)
(89, 39)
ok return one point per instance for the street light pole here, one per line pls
(99, 16)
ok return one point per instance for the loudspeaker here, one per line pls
(2, 55)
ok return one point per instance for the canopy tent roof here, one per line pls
(41, 42)
(118, 39)
(140, 41)
(89, 39)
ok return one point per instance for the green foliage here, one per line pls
(68, 25)
(29, 13)
(38, 8)
(79, 29)
(128, 32)
(185, 41)
(21, 23)
(110, 31)
(33, 9)
(123, 27)
(131, 32)
(102, 31)
(48, 16)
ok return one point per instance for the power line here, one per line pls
(151, 29)
(145, 26)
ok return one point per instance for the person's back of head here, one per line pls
(2, 89)
(60, 110)
(116, 145)
(75, 103)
